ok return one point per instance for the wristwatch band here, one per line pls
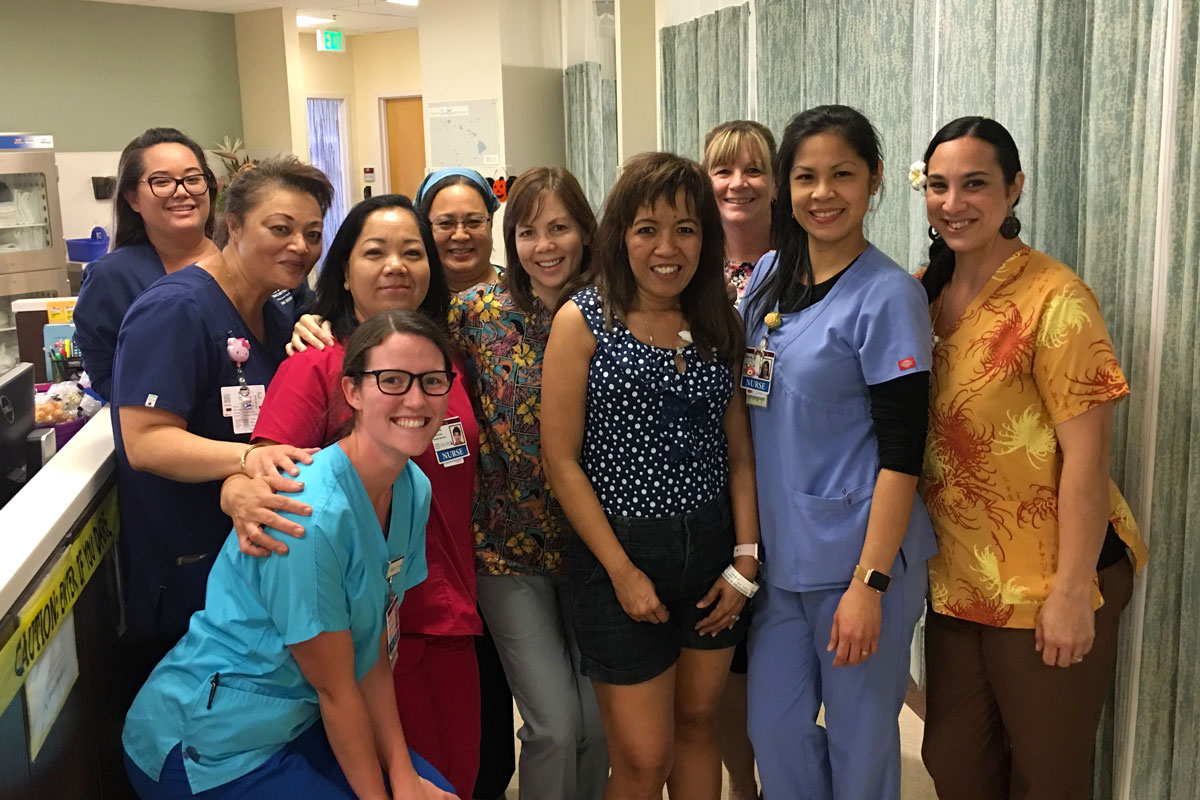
(746, 550)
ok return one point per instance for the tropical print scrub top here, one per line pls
(519, 526)
(1030, 351)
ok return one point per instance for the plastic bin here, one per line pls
(88, 250)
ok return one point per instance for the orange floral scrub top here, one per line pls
(1031, 351)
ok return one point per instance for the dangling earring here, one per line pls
(933, 234)
(1011, 227)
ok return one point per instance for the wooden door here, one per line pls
(406, 144)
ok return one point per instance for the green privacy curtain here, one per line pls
(591, 112)
(704, 77)
(1102, 97)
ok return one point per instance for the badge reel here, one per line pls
(758, 366)
(450, 443)
(241, 402)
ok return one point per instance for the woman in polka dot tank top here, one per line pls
(647, 446)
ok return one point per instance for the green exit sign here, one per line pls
(331, 41)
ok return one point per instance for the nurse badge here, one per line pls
(239, 353)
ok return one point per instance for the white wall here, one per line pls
(81, 211)
(385, 65)
(673, 12)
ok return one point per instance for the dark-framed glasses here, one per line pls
(450, 225)
(165, 186)
(399, 381)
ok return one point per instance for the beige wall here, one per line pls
(262, 55)
(385, 65)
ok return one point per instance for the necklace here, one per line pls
(685, 334)
(937, 315)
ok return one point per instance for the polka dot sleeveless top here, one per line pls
(653, 445)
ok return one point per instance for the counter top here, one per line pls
(35, 521)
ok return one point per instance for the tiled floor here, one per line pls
(915, 783)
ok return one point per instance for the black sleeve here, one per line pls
(900, 410)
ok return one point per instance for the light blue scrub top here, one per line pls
(815, 450)
(332, 579)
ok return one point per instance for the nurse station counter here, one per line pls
(59, 617)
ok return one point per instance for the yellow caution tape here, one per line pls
(55, 596)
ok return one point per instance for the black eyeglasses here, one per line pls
(164, 186)
(399, 381)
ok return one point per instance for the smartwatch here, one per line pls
(746, 550)
(879, 581)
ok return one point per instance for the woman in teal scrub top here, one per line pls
(282, 685)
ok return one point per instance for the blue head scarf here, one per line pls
(433, 178)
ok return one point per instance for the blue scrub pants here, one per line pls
(856, 756)
(305, 768)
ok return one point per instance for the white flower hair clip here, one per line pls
(916, 176)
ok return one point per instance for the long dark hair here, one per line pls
(790, 282)
(524, 204)
(941, 257)
(128, 224)
(645, 179)
(333, 301)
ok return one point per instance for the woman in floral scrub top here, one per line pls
(1037, 547)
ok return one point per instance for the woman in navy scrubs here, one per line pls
(163, 206)
(194, 356)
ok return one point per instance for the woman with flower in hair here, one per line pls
(647, 447)
(1037, 547)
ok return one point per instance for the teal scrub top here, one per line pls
(230, 691)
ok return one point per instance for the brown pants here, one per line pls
(1000, 724)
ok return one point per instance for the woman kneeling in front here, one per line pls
(282, 685)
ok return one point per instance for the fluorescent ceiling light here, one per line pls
(403, 2)
(303, 20)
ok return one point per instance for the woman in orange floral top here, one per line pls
(1037, 547)
(520, 529)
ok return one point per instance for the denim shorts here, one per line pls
(683, 556)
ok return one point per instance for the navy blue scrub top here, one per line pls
(110, 285)
(171, 354)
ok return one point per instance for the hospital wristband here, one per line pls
(738, 581)
(246, 452)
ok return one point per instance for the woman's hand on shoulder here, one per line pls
(275, 459)
(255, 504)
(310, 331)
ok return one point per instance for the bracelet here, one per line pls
(246, 452)
(738, 581)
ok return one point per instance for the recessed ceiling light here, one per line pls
(403, 2)
(304, 21)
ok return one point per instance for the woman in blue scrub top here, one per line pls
(843, 334)
(282, 686)
(194, 356)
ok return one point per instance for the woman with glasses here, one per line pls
(647, 446)
(382, 259)
(459, 205)
(282, 686)
(194, 356)
(163, 204)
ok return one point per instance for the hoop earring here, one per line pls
(933, 234)
(1011, 227)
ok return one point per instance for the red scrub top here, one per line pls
(305, 407)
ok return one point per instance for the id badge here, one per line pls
(758, 370)
(450, 443)
(393, 626)
(242, 403)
